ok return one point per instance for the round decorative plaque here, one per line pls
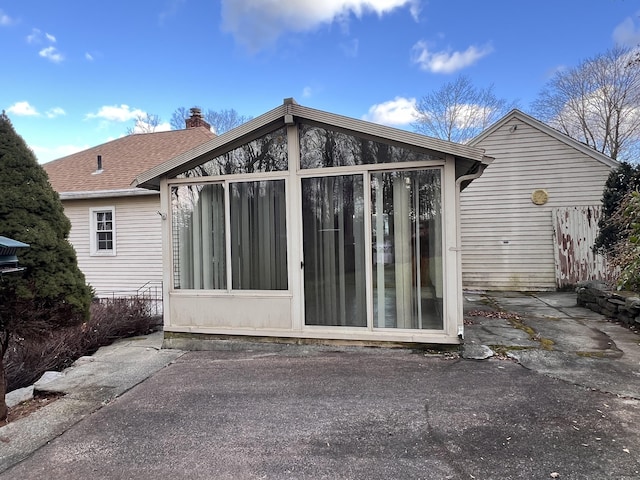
(540, 197)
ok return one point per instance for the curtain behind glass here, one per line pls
(198, 237)
(333, 236)
(407, 249)
(259, 235)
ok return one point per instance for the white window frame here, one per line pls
(93, 241)
(227, 181)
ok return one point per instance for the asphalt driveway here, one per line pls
(305, 413)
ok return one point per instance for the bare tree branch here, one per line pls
(459, 111)
(145, 123)
(221, 121)
(597, 103)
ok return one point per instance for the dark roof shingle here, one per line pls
(122, 160)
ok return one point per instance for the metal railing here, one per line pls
(150, 292)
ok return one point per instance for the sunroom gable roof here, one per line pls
(287, 113)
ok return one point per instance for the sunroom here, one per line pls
(302, 225)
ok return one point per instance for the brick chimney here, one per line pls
(196, 120)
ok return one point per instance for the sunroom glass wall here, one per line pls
(258, 236)
(198, 237)
(407, 249)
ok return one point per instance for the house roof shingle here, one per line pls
(122, 160)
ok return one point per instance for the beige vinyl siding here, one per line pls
(138, 240)
(507, 240)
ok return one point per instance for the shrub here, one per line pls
(28, 358)
(625, 252)
(621, 181)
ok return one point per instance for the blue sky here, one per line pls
(76, 73)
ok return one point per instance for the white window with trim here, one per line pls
(103, 231)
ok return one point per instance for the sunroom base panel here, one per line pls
(229, 339)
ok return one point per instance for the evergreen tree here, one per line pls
(621, 181)
(52, 291)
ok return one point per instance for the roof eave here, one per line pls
(285, 114)
(535, 123)
(385, 132)
(150, 178)
(126, 192)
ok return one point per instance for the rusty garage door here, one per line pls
(575, 229)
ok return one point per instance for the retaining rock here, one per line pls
(618, 305)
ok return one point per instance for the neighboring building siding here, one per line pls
(138, 258)
(507, 240)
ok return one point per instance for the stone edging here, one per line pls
(619, 305)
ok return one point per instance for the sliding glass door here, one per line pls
(406, 230)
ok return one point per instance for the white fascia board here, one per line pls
(383, 132)
(543, 127)
(150, 178)
(128, 192)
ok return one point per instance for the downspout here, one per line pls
(458, 247)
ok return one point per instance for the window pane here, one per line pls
(321, 147)
(198, 236)
(265, 154)
(407, 249)
(103, 231)
(334, 265)
(259, 236)
(105, 241)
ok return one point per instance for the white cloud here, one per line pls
(55, 112)
(5, 20)
(256, 23)
(115, 113)
(23, 109)
(447, 61)
(35, 36)
(467, 115)
(399, 111)
(52, 54)
(145, 127)
(627, 33)
(307, 92)
(46, 154)
(88, 56)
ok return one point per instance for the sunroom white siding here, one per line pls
(138, 242)
(507, 240)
